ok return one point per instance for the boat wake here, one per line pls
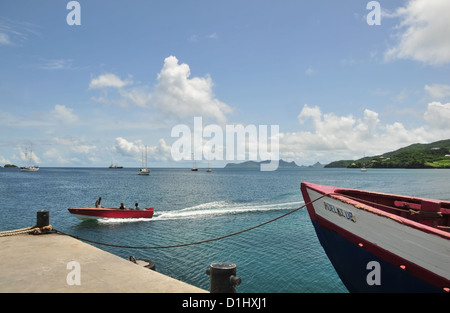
(217, 208)
(121, 220)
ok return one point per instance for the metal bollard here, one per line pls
(143, 262)
(222, 278)
(43, 218)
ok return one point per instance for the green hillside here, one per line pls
(432, 155)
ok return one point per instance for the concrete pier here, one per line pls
(39, 264)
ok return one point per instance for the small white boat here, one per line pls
(31, 167)
(194, 167)
(144, 171)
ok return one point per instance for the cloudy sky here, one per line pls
(97, 93)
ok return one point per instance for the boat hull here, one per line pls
(29, 169)
(144, 172)
(96, 213)
(375, 251)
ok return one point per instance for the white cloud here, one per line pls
(308, 112)
(14, 32)
(135, 96)
(176, 94)
(60, 114)
(127, 96)
(310, 71)
(213, 36)
(108, 80)
(52, 64)
(337, 132)
(438, 91)
(160, 152)
(66, 150)
(58, 64)
(424, 32)
(4, 39)
(64, 114)
(193, 38)
(332, 137)
(75, 145)
(55, 154)
(126, 148)
(179, 96)
(28, 155)
(3, 160)
(438, 115)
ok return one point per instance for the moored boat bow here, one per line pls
(382, 242)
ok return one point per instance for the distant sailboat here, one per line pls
(209, 169)
(30, 167)
(194, 168)
(144, 171)
(363, 168)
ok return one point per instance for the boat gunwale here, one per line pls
(337, 193)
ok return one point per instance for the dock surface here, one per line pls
(39, 264)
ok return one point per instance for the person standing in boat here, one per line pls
(97, 203)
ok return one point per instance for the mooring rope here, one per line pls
(192, 243)
(35, 230)
(16, 231)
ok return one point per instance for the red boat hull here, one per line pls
(95, 213)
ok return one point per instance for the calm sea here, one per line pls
(280, 257)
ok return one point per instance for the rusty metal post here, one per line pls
(222, 278)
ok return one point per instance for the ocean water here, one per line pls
(281, 257)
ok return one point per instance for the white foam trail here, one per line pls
(121, 220)
(223, 208)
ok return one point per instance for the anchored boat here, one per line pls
(144, 171)
(382, 242)
(30, 167)
(96, 213)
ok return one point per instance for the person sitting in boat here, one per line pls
(136, 206)
(122, 207)
(97, 203)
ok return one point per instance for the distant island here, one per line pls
(10, 165)
(431, 155)
(281, 164)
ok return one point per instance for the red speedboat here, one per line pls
(96, 213)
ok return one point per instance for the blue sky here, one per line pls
(97, 93)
